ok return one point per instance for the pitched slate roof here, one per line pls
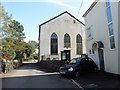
(61, 15)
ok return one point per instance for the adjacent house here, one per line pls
(102, 26)
(61, 38)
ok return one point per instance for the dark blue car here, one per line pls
(78, 66)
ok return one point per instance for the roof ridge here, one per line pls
(61, 15)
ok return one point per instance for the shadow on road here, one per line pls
(35, 66)
(99, 80)
(29, 65)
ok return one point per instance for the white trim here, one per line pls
(107, 6)
(111, 35)
(110, 42)
(110, 23)
(112, 49)
(66, 48)
(89, 30)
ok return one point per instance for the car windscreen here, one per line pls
(75, 61)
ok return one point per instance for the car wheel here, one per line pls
(77, 74)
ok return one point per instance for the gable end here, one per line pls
(61, 15)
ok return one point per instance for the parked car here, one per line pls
(78, 66)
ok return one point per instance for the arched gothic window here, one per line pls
(54, 44)
(79, 44)
(67, 41)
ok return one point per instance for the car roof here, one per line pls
(80, 58)
(77, 58)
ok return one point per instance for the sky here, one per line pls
(32, 13)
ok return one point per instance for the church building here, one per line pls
(61, 38)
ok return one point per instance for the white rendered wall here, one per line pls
(98, 20)
(61, 25)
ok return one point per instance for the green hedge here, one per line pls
(52, 65)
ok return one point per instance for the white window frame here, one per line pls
(89, 30)
(108, 23)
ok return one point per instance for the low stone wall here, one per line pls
(50, 57)
(17, 63)
(51, 65)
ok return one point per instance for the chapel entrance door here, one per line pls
(65, 55)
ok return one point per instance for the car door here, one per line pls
(91, 64)
(84, 65)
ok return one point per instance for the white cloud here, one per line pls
(63, 4)
(61, 1)
(57, 2)
(66, 1)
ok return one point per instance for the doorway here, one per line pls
(98, 47)
(101, 59)
(65, 55)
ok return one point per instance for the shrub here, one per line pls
(54, 59)
(9, 65)
(35, 56)
(51, 65)
(48, 59)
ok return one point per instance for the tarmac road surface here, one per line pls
(30, 76)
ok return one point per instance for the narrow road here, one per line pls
(29, 76)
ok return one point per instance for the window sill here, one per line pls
(53, 54)
(112, 49)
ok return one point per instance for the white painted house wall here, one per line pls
(119, 36)
(61, 25)
(97, 19)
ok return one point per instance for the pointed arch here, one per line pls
(78, 44)
(54, 44)
(67, 41)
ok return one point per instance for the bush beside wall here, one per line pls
(10, 65)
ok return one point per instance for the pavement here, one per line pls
(98, 80)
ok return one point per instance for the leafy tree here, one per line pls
(34, 45)
(10, 28)
(16, 30)
(5, 20)
(1, 12)
(6, 44)
(11, 35)
(7, 51)
(28, 50)
(19, 46)
(13, 30)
